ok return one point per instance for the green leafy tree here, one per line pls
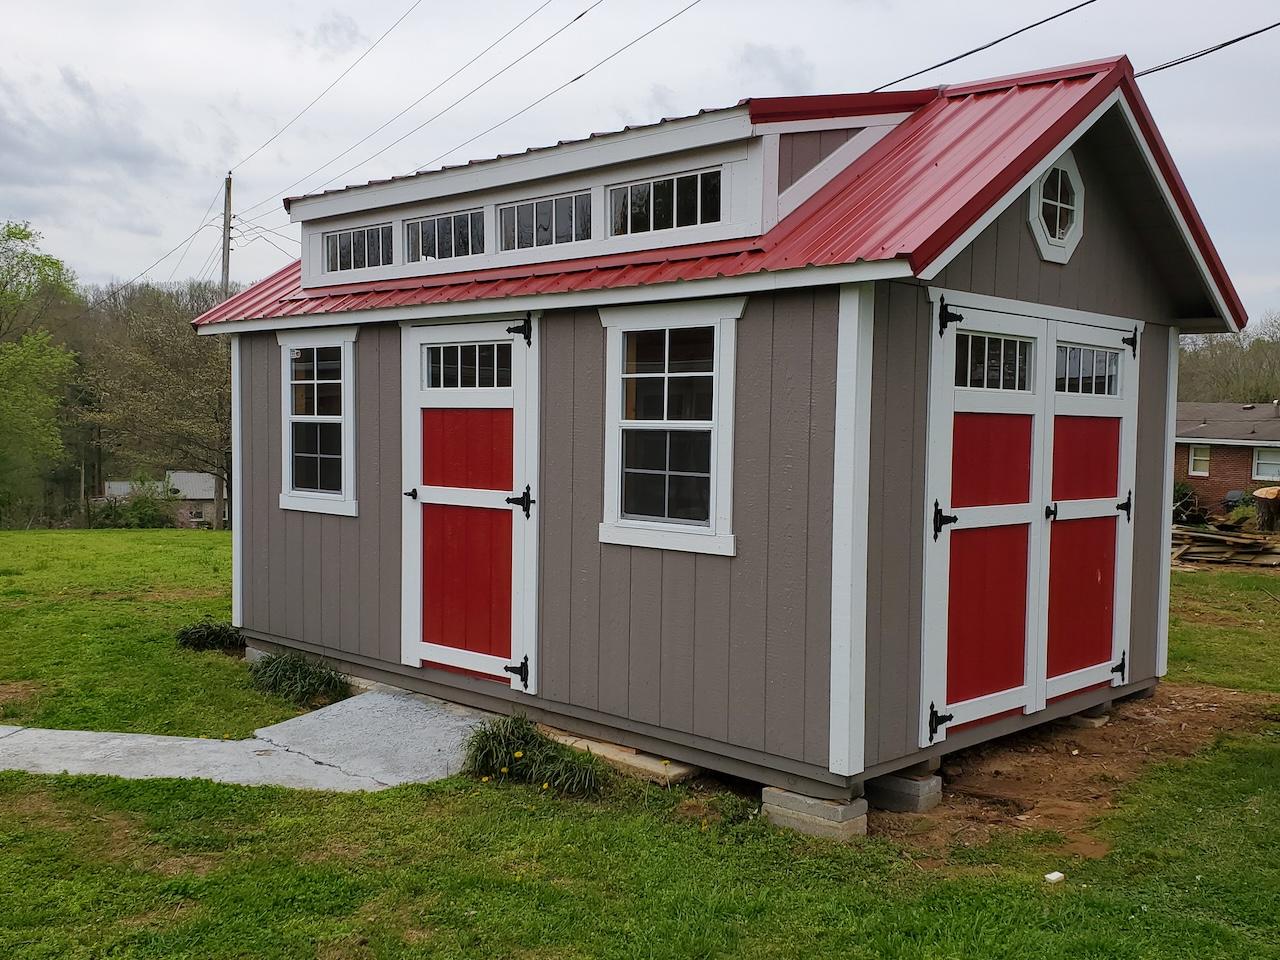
(32, 283)
(34, 374)
(1240, 368)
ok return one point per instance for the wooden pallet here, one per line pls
(1198, 545)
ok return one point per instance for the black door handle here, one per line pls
(1051, 512)
(412, 494)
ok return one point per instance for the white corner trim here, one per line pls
(849, 518)
(1051, 248)
(1166, 522)
(237, 486)
(820, 175)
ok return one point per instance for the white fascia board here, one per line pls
(1116, 98)
(760, 282)
(669, 137)
(1210, 442)
(1166, 520)
(830, 123)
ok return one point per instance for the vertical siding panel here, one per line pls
(822, 415)
(556, 505)
(587, 439)
(1008, 238)
(312, 565)
(677, 664)
(788, 524)
(270, 482)
(711, 648)
(1148, 502)
(751, 505)
(786, 162)
(983, 263)
(645, 694)
(878, 613)
(252, 534)
(615, 629)
(387, 491)
(330, 599)
(370, 449)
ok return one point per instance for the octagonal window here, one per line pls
(1057, 210)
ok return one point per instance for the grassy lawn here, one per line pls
(87, 619)
(98, 867)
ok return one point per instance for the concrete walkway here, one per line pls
(370, 741)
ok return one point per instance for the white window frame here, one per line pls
(417, 222)
(1051, 248)
(1275, 455)
(362, 228)
(1192, 458)
(342, 504)
(514, 206)
(717, 536)
(650, 181)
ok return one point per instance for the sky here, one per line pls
(119, 120)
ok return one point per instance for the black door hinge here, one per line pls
(1051, 512)
(941, 519)
(412, 494)
(524, 328)
(946, 316)
(1120, 667)
(1127, 507)
(520, 670)
(524, 501)
(936, 720)
(1131, 342)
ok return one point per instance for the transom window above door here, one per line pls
(466, 365)
(990, 362)
(1087, 370)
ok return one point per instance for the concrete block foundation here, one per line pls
(905, 793)
(831, 819)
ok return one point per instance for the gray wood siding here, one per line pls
(330, 581)
(1112, 272)
(733, 649)
(798, 153)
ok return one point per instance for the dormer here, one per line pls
(720, 175)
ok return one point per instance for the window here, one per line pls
(541, 223)
(357, 249)
(993, 363)
(317, 404)
(1087, 370)
(1057, 210)
(1198, 460)
(669, 412)
(682, 201)
(439, 238)
(466, 365)
(1266, 463)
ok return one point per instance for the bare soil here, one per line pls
(1060, 778)
(17, 691)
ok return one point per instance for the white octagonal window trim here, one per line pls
(1057, 210)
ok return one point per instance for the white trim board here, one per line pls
(762, 281)
(1166, 522)
(819, 124)
(849, 518)
(237, 488)
(1207, 442)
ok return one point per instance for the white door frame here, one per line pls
(1014, 318)
(522, 398)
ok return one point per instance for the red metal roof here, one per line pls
(909, 197)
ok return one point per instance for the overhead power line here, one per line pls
(986, 46)
(1187, 58)
(205, 216)
(336, 80)
(552, 93)
(282, 191)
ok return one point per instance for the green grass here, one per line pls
(1224, 628)
(87, 624)
(100, 867)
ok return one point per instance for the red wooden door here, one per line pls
(470, 549)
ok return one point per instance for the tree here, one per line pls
(31, 283)
(34, 373)
(1239, 368)
(161, 394)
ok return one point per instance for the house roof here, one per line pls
(1232, 422)
(908, 199)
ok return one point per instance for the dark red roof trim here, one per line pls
(778, 109)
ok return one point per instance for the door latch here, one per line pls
(412, 494)
(941, 519)
(520, 670)
(1127, 507)
(524, 501)
(936, 720)
(1051, 512)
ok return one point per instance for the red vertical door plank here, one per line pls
(1086, 457)
(1082, 588)
(987, 611)
(990, 459)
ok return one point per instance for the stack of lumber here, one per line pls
(1196, 545)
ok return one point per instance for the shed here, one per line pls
(805, 439)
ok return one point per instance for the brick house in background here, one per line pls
(1226, 447)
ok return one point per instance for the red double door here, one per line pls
(469, 542)
(1029, 540)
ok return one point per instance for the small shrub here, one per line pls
(210, 634)
(151, 506)
(513, 748)
(306, 682)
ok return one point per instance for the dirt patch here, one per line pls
(18, 691)
(161, 917)
(1060, 778)
(178, 866)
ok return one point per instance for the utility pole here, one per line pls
(226, 236)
